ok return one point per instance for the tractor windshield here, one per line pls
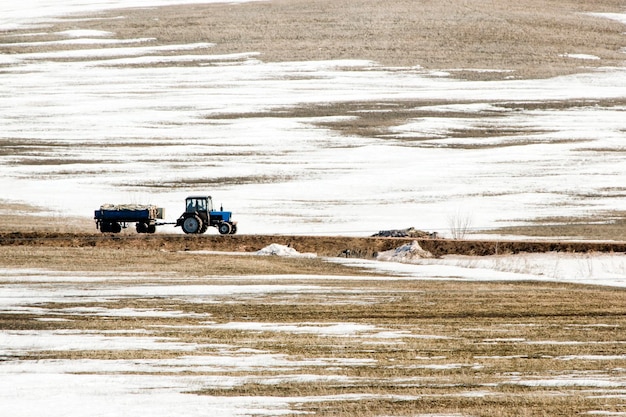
(199, 204)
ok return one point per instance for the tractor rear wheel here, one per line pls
(224, 228)
(192, 224)
(233, 229)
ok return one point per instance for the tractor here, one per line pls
(199, 216)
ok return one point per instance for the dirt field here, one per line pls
(528, 37)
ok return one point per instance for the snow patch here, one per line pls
(79, 41)
(20, 341)
(405, 253)
(276, 249)
(581, 56)
(83, 33)
(607, 269)
(571, 382)
(322, 329)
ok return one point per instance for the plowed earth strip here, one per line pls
(363, 247)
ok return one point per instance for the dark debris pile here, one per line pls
(409, 232)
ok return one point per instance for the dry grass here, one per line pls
(528, 37)
(16, 216)
(375, 119)
(427, 346)
(603, 226)
(459, 347)
(153, 261)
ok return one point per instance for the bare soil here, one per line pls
(339, 246)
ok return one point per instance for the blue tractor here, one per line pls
(199, 216)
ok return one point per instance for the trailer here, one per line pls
(112, 218)
(198, 216)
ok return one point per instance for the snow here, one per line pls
(18, 294)
(276, 249)
(608, 269)
(134, 395)
(158, 387)
(35, 13)
(161, 387)
(321, 182)
(405, 253)
(81, 41)
(14, 342)
(310, 180)
(111, 52)
(83, 33)
(581, 56)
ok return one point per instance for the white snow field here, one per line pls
(143, 136)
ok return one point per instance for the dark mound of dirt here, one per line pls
(409, 232)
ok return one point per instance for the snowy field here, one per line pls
(156, 131)
(112, 344)
(159, 344)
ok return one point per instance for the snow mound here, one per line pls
(276, 249)
(405, 253)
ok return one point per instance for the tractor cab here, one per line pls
(198, 204)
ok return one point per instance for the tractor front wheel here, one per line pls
(192, 224)
(224, 228)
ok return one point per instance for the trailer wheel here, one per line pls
(141, 228)
(224, 228)
(192, 224)
(110, 227)
(151, 228)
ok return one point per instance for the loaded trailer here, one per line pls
(198, 216)
(112, 218)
